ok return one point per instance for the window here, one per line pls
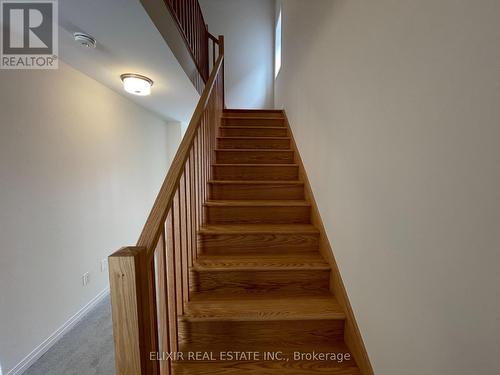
(277, 47)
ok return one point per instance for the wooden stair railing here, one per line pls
(182, 26)
(194, 30)
(149, 282)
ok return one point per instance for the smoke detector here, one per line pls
(85, 40)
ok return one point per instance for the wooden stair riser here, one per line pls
(254, 157)
(253, 143)
(256, 172)
(253, 113)
(264, 191)
(283, 335)
(256, 282)
(245, 131)
(253, 121)
(257, 214)
(257, 243)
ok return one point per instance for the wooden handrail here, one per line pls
(213, 38)
(150, 282)
(152, 229)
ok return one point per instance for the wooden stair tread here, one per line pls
(263, 308)
(331, 346)
(251, 110)
(266, 367)
(252, 117)
(254, 182)
(254, 165)
(252, 149)
(253, 120)
(263, 262)
(252, 127)
(258, 229)
(257, 203)
(259, 138)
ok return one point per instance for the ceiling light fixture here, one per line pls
(136, 84)
(85, 40)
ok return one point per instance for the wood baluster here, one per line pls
(199, 207)
(188, 20)
(221, 52)
(191, 27)
(204, 157)
(162, 297)
(199, 24)
(192, 207)
(194, 25)
(189, 235)
(181, 12)
(196, 21)
(171, 282)
(207, 150)
(213, 53)
(185, 5)
(195, 197)
(209, 135)
(184, 240)
(196, 182)
(202, 145)
(150, 288)
(176, 216)
(202, 198)
(213, 131)
(202, 47)
(202, 32)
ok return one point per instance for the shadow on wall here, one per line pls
(321, 12)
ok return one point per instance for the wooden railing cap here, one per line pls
(129, 251)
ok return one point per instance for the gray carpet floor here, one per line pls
(87, 349)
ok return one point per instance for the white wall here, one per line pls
(80, 167)
(395, 105)
(248, 29)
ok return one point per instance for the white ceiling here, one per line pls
(127, 42)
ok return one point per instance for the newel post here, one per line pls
(221, 52)
(133, 310)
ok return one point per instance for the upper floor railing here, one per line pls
(194, 30)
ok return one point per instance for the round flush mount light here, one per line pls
(136, 84)
(85, 40)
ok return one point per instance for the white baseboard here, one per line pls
(58, 333)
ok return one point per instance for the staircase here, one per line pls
(260, 300)
(233, 272)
